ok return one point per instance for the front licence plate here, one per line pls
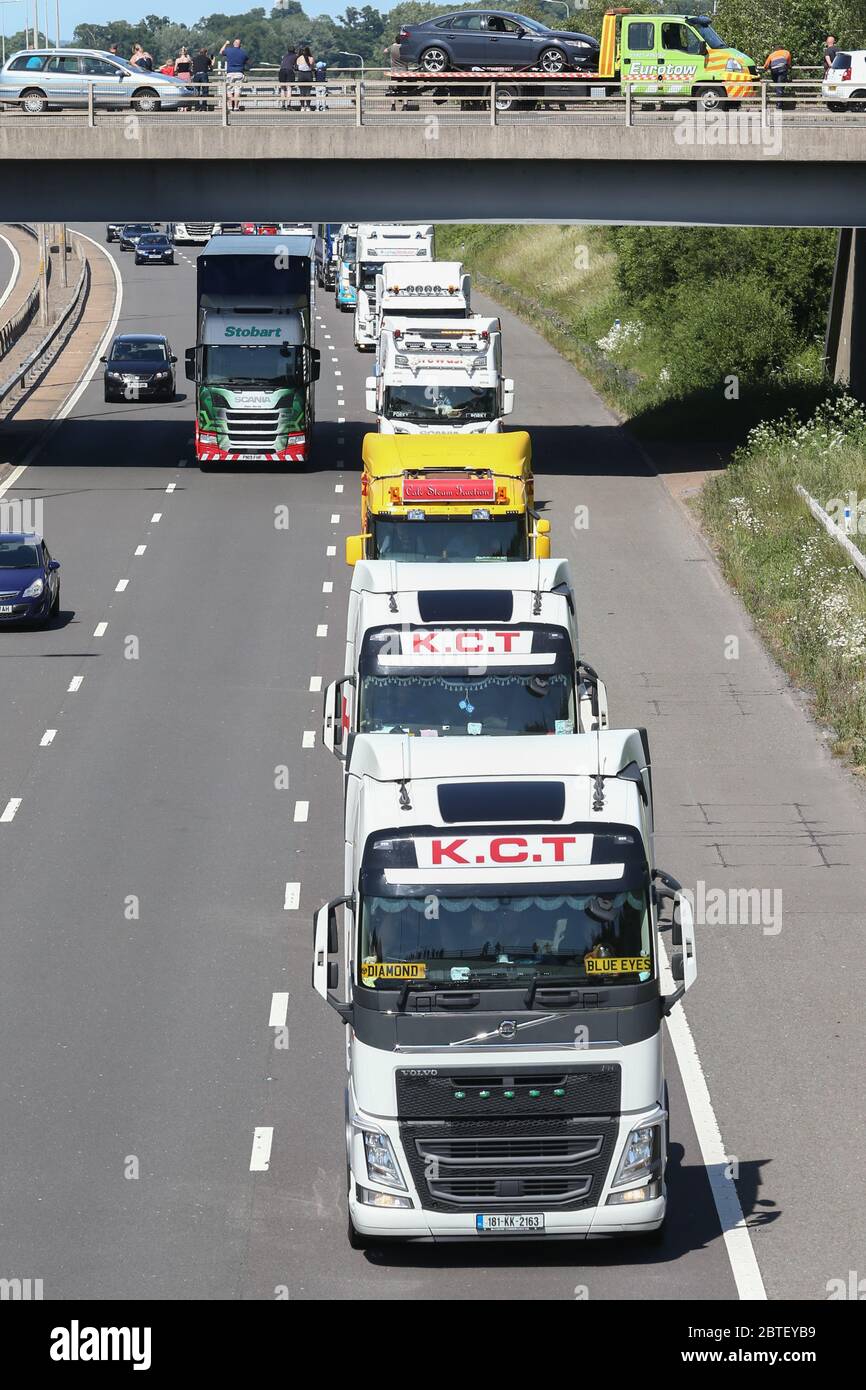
(256, 458)
(508, 1225)
(5, 607)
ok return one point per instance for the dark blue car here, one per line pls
(29, 580)
(494, 39)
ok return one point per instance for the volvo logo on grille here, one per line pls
(507, 1028)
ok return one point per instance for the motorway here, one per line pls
(148, 908)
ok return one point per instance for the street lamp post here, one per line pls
(354, 55)
(564, 3)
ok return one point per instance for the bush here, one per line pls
(726, 329)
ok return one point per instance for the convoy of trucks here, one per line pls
(254, 364)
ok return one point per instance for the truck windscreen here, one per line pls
(449, 540)
(422, 405)
(497, 703)
(486, 941)
(367, 273)
(266, 367)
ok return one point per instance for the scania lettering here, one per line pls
(254, 364)
(440, 651)
(446, 498)
(378, 245)
(499, 970)
(442, 376)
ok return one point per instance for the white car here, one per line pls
(844, 87)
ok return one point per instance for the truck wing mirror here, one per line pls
(337, 715)
(703, 50)
(507, 396)
(315, 363)
(326, 944)
(370, 390)
(684, 963)
(189, 364)
(592, 700)
(355, 548)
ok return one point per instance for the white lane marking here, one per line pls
(341, 420)
(11, 810)
(140, 549)
(338, 487)
(302, 811)
(100, 629)
(331, 550)
(279, 1009)
(328, 586)
(335, 518)
(16, 266)
(341, 439)
(121, 586)
(309, 739)
(735, 1233)
(338, 373)
(263, 1138)
(157, 516)
(75, 684)
(315, 683)
(322, 630)
(292, 898)
(74, 397)
(171, 487)
(47, 738)
(327, 335)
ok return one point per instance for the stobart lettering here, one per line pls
(233, 331)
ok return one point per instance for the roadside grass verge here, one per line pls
(806, 598)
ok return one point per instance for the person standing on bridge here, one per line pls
(304, 70)
(286, 76)
(201, 70)
(778, 65)
(830, 51)
(237, 59)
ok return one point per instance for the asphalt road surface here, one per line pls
(144, 875)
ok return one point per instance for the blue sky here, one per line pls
(74, 12)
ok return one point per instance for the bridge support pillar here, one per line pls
(845, 350)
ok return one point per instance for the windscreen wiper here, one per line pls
(569, 983)
(428, 987)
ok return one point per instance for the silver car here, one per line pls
(39, 79)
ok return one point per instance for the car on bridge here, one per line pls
(844, 86)
(140, 366)
(29, 579)
(494, 39)
(43, 79)
(154, 248)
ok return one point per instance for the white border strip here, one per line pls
(16, 266)
(857, 558)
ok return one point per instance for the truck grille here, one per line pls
(588, 1088)
(511, 1164)
(252, 429)
(199, 228)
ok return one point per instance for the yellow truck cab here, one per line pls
(448, 497)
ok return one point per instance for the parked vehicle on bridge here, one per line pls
(139, 366)
(193, 232)
(494, 39)
(653, 55)
(430, 654)
(154, 248)
(844, 87)
(131, 233)
(254, 363)
(29, 580)
(43, 79)
(445, 497)
(440, 376)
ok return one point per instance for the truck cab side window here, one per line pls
(681, 38)
(641, 38)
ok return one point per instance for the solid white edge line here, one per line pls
(279, 1009)
(16, 266)
(263, 1138)
(735, 1232)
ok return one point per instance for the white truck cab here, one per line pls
(376, 246)
(500, 974)
(444, 652)
(429, 290)
(440, 376)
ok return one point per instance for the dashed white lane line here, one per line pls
(338, 487)
(292, 898)
(157, 516)
(121, 586)
(47, 738)
(322, 630)
(11, 810)
(75, 684)
(309, 739)
(279, 1010)
(335, 518)
(341, 420)
(302, 811)
(140, 549)
(341, 438)
(263, 1138)
(338, 373)
(328, 586)
(331, 550)
(315, 683)
(100, 629)
(171, 487)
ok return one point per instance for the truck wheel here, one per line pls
(551, 60)
(433, 60)
(710, 98)
(506, 98)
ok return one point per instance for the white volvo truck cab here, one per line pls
(441, 652)
(499, 971)
(440, 376)
(428, 290)
(378, 245)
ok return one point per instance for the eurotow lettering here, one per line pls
(234, 331)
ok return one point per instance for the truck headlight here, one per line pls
(368, 1198)
(34, 590)
(206, 437)
(640, 1158)
(295, 439)
(382, 1165)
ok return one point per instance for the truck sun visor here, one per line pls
(462, 803)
